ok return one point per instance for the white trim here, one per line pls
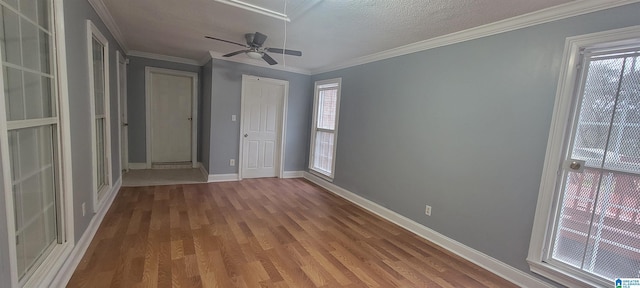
(283, 121)
(203, 61)
(495, 266)
(256, 9)
(108, 21)
(223, 177)
(293, 174)
(122, 110)
(160, 57)
(137, 166)
(64, 124)
(71, 263)
(6, 194)
(259, 63)
(98, 196)
(571, 9)
(29, 123)
(558, 133)
(194, 110)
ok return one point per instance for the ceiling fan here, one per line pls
(255, 49)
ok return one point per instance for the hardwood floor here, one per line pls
(261, 233)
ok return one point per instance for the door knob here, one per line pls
(189, 118)
(246, 135)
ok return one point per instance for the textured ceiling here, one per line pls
(330, 32)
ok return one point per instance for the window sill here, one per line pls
(321, 175)
(561, 276)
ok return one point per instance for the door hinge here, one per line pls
(17, 239)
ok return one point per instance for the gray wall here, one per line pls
(225, 101)
(136, 102)
(462, 128)
(76, 12)
(205, 111)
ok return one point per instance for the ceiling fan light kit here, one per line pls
(254, 54)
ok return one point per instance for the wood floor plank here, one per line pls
(261, 233)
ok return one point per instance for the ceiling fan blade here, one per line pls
(268, 58)
(231, 42)
(259, 38)
(286, 51)
(235, 53)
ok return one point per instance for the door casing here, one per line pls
(123, 128)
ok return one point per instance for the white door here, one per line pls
(170, 118)
(262, 106)
(124, 126)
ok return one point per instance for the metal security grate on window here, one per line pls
(598, 229)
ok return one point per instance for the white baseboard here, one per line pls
(485, 261)
(137, 166)
(293, 174)
(222, 177)
(70, 265)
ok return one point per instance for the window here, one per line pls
(31, 146)
(99, 99)
(324, 132)
(591, 183)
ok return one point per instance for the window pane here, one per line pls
(43, 13)
(327, 100)
(45, 60)
(37, 98)
(13, 94)
(12, 3)
(28, 8)
(100, 153)
(11, 37)
(624, 143)
(30, 45)
(33, 177)
(323, 154)
(614, 250)
(596, 111)
(98, 76)
(577, 208)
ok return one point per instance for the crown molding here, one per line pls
(259, 63)
(571, 9)
(108, 21)
(149, 55)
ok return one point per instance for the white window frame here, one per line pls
(47, 271)
(561, 123)
(314, 129)
(99, 196)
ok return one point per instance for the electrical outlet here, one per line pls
(232, 162)
(84, 208)
(427, 210)
(233, 118)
